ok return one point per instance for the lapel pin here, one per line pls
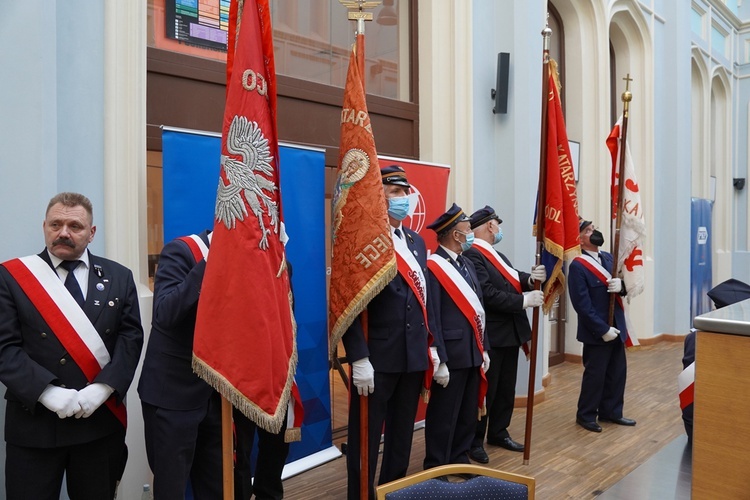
(111, 303)
(99, 287)
(96, 302)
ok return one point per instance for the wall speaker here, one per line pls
(500, 92)
(738, 183)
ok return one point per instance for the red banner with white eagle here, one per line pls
(363, 261)
(244, 343)
(632, 225)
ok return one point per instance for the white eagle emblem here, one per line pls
(246, 140)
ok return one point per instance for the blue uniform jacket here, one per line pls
(397, 333)
(590, 299)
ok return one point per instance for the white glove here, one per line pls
(485, 361)
(435, 359)
(538, 273)
(363, 376)
(614, 285)
(534, 298)
(92, 397)
(442, 376)
(62, 401)
(611, 335)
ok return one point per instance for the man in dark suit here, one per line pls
(507, 328)
(455, 296)
(388, 365)
(68, 353)
(181, 412)
(590, 284)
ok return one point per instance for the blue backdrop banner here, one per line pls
(190, 176)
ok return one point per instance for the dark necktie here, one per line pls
(71, 283)
(464, 270)
(398, 232)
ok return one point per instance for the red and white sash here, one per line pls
(603, 275)
(686, 384)
(469, 305)
(510, 274)
(62, 313)
(411, 272)
(196, 245)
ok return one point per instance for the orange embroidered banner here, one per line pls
(363, 261)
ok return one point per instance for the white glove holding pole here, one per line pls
(611, 335)
(485, 361)
(435, 359)
(92, 397)
(614, 285)
(534, 298)
(363, 376)
(442, 376)
(539, 273)
(62, 401)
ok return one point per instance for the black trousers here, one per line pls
(184, 445)
(603, 382)
(501, 395)
(394, 404)
(272, 453)
(451, 419)
(91, 470)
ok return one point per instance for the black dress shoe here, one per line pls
(589, 426)
(479, 455)
(506, 443)
(619, 421)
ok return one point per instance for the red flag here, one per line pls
(244, 343)
(561, 235)
(362, 258)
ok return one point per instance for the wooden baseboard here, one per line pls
(539, 396)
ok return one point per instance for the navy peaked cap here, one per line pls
(484, 215)
(453, 216)
(395, 175)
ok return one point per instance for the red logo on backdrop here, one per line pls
(429, 190)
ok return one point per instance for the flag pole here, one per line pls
(541, 197)
(626, 98)
(361, 16)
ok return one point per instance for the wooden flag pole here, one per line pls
(361, 16)
(626, 98)
(227, 448)
(541, 196)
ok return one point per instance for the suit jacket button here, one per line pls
(408, 308)
(408, 326)
(44, 335)
(63, 361)
(107, 330)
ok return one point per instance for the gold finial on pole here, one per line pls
(626, 96)
(357, 11)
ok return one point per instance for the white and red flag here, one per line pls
(633, 225)
(244, 343)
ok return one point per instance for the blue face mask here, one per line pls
(498, 236)
(469, 241)
(398, 208)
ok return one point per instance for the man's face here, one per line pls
(67, 231)
(585, 235)
(393, 191)
(461, 230)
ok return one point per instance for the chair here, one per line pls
(487, 485)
